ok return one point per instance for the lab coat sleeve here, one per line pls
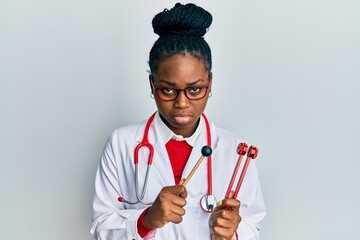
(252, 209)
(110, 220)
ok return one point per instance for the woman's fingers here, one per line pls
(223, 227)
(173, 194)
(168, 207)
(225, 218)
(221, 233)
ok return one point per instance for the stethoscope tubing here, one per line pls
(145, 143)
(209, 158)
(143, 192)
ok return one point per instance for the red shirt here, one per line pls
(179, 152)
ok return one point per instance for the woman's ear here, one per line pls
(210, 80)
(151, 80)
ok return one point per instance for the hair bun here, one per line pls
(188, 19)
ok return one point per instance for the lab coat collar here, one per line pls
(166, 134)
(155, 134)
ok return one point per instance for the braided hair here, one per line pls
(181, 30)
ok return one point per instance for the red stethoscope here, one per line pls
(207, 202)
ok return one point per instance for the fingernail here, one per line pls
(219, 203)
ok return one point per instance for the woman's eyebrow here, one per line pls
(174, 84)
(195, 82)
(168, 83)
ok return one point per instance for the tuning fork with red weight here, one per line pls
(251, 153)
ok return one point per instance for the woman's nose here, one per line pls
(181, 101)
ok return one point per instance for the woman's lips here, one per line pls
(182, 118)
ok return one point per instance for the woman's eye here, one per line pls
(168, 90)
(194, 90)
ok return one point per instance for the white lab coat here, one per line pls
(115, 177)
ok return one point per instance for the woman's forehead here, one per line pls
(181, 65)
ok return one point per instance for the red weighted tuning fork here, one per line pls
(241, 150)
(251, 154)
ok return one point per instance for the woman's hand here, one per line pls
(168, 207)
(225, 219)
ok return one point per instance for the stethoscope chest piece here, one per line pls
(208, 203)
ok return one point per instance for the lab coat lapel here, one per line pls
(162, 164)
(161, 161)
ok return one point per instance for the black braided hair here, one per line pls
(181, 30)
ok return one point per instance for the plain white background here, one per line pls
(286, 77)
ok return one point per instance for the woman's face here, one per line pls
(179, 72)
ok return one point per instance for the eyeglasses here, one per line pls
(170, 94)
